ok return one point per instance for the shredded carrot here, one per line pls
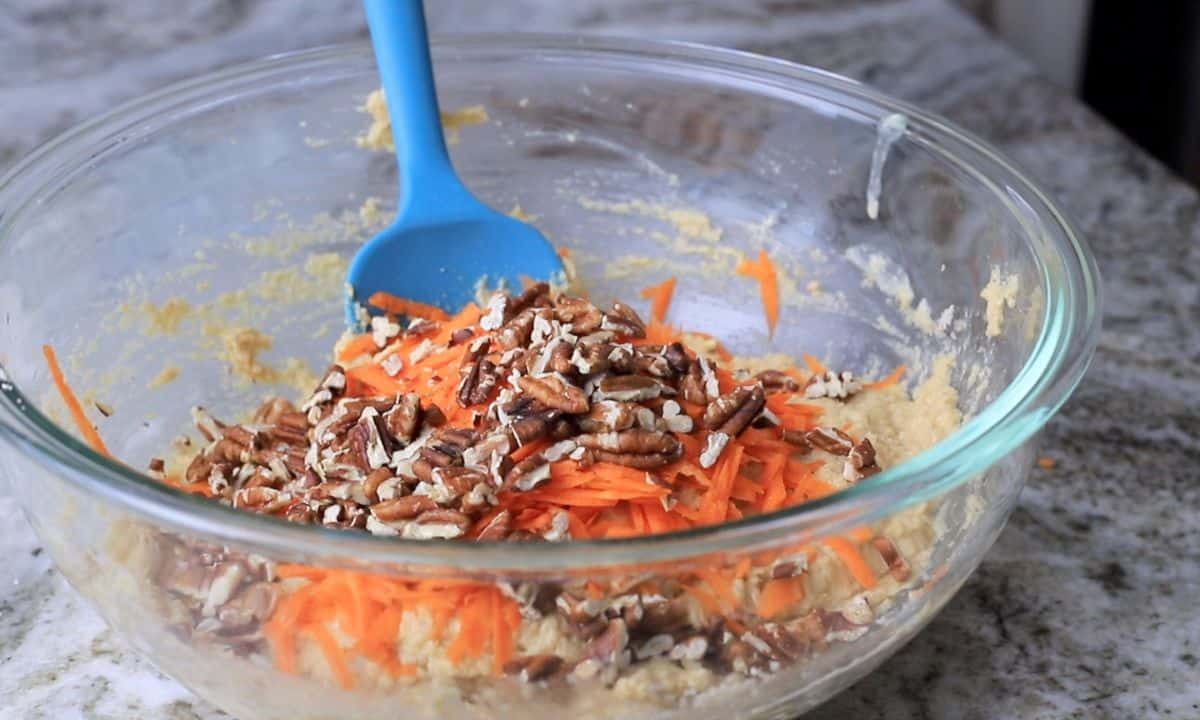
(363, 344)
(403, 306)
(660, 298)
(763, 270)
(892, 378)
(778, 595)
(90, 434)
(855, 562)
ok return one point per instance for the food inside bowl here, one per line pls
(540, 417)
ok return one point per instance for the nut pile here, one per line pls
(537, 365)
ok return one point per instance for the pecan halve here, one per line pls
(733, 412)
(584, 317)
(556, 392)
(528, 474)
(516, 332)
(403, 508)
(897, 565)
(497, 528)
(438, 524)
(777, 380)
(831, 440)
(624, 320)
(404, 418)
(532, 668)
(609, 415)
(629, 388)
(638, 448)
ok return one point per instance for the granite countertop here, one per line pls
(1082, 609)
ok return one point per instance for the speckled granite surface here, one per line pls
(1085, 608)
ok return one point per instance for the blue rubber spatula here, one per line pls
(444, 239)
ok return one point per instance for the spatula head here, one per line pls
(441, 263)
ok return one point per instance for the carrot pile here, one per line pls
(368, 610)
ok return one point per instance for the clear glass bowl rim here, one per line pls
(1054, 368)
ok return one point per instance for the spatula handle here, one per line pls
(402, 51)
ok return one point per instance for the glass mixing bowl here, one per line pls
(141, 243)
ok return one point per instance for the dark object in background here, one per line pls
(1142, 73)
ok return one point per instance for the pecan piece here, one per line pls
(556, 392)
(608, 415)
(624, 320)
(609, 647)
(404, 418)
(403, 508)
(777, 381)
(831, 440)
(479, 375)
(532, 668)
(438, 524)
(629, 388)
(860, 461)
(497, 528)
(638, 448)
(733, 412)
(897, 565)
(838, 386)
(528, 474)
(516, 332)
(798, 439)
(589, 358)
(584, 317)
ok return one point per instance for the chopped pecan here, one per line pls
(860, 462)
(403, 508)
(798, 438)
(516, 332)
(558, 357)
(609, 647)
(479, 377)
(733, 412)
(556, 392)
(777, 381)
(624, 320)
(589, 358)
(629, 388)
(897, 565)
(261, 499)
(532, 668)
(609, 415)
(584, 317)
(528, 474)
(831, 440)
(643, 449)
(649, 360)
(838, 386)
(404, 418)
(531, 427)
(534, 296)
(440, 523)
(497, 528)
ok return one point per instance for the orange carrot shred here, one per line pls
(660, 298)
(892, 378)
(403, 306)
(855, 562)
(90, 434)
(763, 270)
(779, 595)
(363, 344)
